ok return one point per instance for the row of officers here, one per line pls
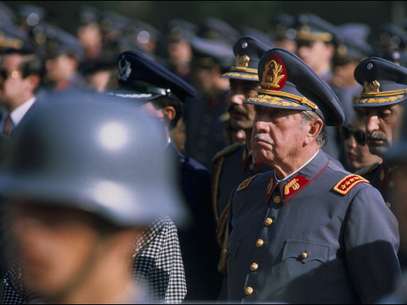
(86, 177)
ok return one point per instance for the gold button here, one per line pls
(259, 243)
(304, 255)
(254, 266)
(248, 291)
(268, 221)
(277, 199)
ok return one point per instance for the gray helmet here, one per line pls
(95, 153)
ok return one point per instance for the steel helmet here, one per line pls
(92, 152)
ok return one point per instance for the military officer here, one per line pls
(316, 43)
(384, 90)
(306, 231)
(165, 95)
(232, 164)
(78, 199)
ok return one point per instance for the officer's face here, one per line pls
(241, 115)
(278, 135)
(61, 68)
(51, 244)
(315, 54)
(357, 151)
(382, 127)
(14, 88)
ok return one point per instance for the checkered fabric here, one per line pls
(157, 262)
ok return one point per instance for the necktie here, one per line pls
(8, 126)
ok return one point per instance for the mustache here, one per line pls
(233, 108)
(263, 138)
(376, 136)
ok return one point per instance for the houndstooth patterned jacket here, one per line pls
(157, 262)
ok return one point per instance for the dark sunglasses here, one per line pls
(359, 135)
(4, 74)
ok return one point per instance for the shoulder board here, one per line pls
(344, 186)
(227, 151)
(245, 183)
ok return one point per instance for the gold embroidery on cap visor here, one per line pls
(311, 36)
(241, 75)
(10, 43)
(282, 99)
(371, 94)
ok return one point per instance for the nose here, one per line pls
(237, 99)
(260, 126)
(372, 123)
(351, 143)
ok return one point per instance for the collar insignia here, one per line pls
(294, 185)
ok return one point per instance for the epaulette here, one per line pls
(227, 151)
(245, 183)
(344, 186)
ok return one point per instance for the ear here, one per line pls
(169, 112)
(34, 81)
(315, 128)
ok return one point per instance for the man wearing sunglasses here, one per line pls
(18, 87)
(357, 154)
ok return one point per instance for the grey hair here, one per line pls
(309, 116)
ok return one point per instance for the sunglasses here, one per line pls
(359, 135)
(4, 74)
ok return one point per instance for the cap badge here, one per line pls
(242, 61)
(371, 87)
(124, 69)
(244, 45)
(274, 75)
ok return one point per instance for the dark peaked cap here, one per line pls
(384, 83)
(143, 74)
(288, 83)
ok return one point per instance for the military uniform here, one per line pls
(288, 245)
(233, 164)
(384, 85)
(320, 234)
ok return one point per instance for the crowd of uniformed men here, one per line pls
(202, 162)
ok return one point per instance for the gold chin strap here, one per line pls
(298, 99)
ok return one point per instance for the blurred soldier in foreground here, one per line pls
(165, 95)
(379, 106)
(357, 152)
(306, 231)
(76, 215)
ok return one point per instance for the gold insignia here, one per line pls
(344, 186)
(292, 185)
(242, 61)
(272, 75)
(10, 43)
(371, 87)
(372, 95)
(245, 183)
